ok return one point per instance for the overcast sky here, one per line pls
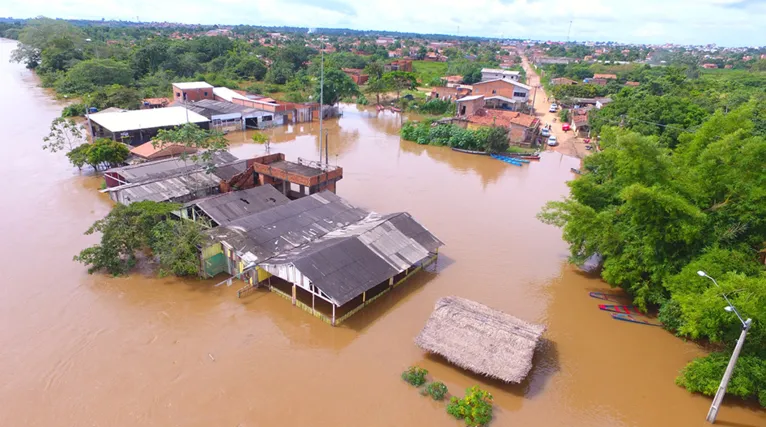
(725, 22)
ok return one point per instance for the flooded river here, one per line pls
(83, 350)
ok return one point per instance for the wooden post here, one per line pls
(391, 281)
(313, 311)
(293, 293)
(364, 296)
(333, 314)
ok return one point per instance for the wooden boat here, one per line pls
(631, 319)
(606, 297)
(577, 171)
(460, 150)
(624, 309)
(380, 107)
(530, 157)
(506, 160)
(396, 110)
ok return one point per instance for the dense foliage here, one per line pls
(490, 139)
(142, 227)
(415, 376)
(208, 143)
(656, 215)
(103, 153)
(475, 408)
(437, 390)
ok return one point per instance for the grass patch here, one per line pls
(425, 71)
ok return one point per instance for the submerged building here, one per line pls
(323, 254)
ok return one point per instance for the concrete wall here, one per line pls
(501, 88)
(192, 94)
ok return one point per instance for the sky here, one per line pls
(724, 22)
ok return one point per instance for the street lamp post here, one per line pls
(716, 405)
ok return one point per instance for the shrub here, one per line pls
(73, 110)
(475, 408)
(703, 375)
(437, 390)
(415, 376)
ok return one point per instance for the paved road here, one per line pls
(568, 143)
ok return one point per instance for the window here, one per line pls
(205, 93)
(494, 91)
(519, 94)
(178, 94)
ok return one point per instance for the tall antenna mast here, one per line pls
(569, 31)
(321, 104)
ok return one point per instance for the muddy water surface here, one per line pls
(92, 350)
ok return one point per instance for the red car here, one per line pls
(565, 127)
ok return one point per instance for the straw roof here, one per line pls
(480, 339)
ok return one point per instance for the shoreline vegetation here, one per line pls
(492, 139)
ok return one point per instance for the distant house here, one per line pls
(579, 120)
(446, 93)
(384, 41)
(562, 81)
(710, 66)
(510, 89)
(597, 82)
(522, 127)
(138, 126)
(634, 84)
(605, 76)
(453, 81)
(149, 103)
(356, 75)
(148, 151)
(399, 65)
(192, 91)
(495, 73)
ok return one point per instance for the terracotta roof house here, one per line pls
(562, 81)
(605, 76)
(148, 151)
(155, 103)
(522, 127)
(634, 84)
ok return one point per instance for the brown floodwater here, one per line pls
(81, 349)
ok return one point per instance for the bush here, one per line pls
(415, 376)
(437, 106)
(437, 390)
(475, 408)
(703, 375)
(73, 110)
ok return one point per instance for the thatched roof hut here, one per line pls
(480, 339)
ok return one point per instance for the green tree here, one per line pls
(125, 232)
(279, 72)
(207, 143)
(88, 75)
(337, 85)
(399, 81)
(250, 67)
(65, 135)
(375, 70)
(39, 34)
(174, 244)
(377, 87)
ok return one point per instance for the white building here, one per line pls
(496, 73)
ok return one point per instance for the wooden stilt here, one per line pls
(313, 310)
(333, 314)
(293, 294)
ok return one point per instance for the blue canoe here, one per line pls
(507, 160)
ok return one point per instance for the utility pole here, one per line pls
(569, 31)
(326, 148)
(321, 104)
(716, 405)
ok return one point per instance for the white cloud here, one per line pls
(726, 22)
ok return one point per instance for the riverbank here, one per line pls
(82, 349)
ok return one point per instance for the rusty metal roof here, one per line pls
(223, 208)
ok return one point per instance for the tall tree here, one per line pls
(337, 85)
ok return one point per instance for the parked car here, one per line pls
(565, 127)
(552, 141)
(545, 132)
(553, 108)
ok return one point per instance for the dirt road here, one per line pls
(569, 144)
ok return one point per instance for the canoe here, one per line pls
(530, 157)
(631, 319)
(460, 150)
(577, 171)
(606, 297)
(512, 159)
(624, 309)
(506, 160)
(396, 110)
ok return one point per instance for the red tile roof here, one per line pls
(490, 117)
(148, 151)
(605, 76)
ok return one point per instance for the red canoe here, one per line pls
(631, 319)
(624, 309)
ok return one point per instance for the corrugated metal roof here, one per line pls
(263, 235)
(223, 208)
(167, 167)
(229, 171)
(177, 189)
(349, 261)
